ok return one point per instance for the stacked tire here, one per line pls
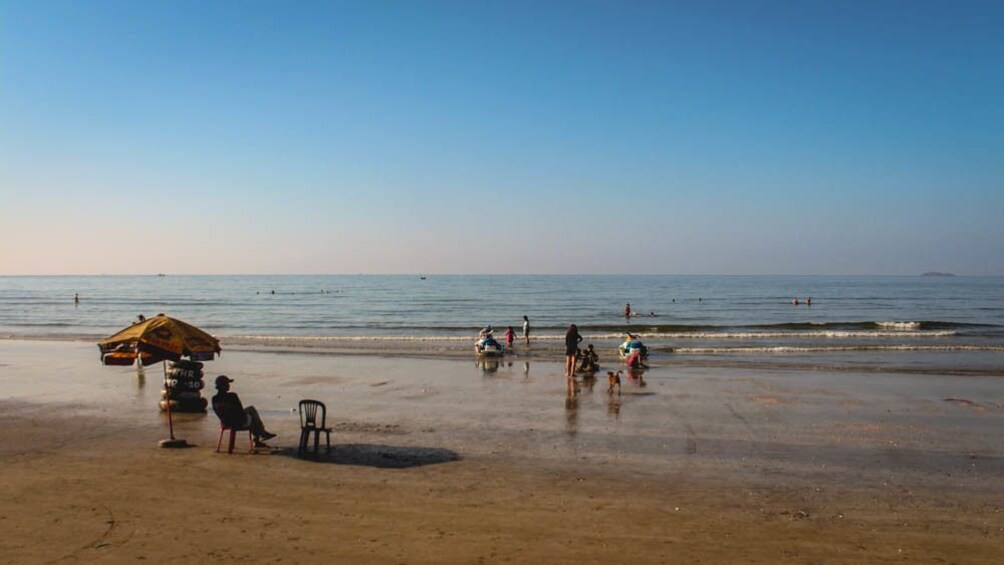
(183, 388)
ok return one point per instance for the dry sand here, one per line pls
(441, 461)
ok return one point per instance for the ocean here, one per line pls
(937, 324)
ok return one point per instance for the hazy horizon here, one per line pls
(781, 137)
(765, 275)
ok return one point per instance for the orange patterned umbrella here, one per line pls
(156, 339)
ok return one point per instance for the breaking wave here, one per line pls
(613, 336)
(905, 326)
(888, 325)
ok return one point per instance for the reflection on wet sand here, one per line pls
(614, 406)
(572, 414)
(493, 364)
(488, 365)
(637, 377)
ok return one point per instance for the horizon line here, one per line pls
(940, 274)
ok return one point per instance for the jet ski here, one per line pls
(488, 346)
(630, 345)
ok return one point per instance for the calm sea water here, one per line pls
(695, 315)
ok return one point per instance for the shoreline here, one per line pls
(961, 361)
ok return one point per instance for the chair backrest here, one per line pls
(227, 415)
(308, 413)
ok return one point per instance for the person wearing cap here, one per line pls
(233, 414)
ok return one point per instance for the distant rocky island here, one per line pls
(937, 274)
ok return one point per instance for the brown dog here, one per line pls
(613, 379)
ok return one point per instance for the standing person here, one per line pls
(572, 339)
(510, 335)
(76, 298)
(627, 310)
(635, 360)
(526, 329)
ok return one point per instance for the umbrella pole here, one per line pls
(167, 387)
(170, 420)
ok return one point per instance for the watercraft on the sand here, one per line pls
(488, 346)
(630, 345)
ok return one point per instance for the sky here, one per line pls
(705, 137)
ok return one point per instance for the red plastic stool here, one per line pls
(233, 436)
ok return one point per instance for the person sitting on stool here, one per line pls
(234, 415)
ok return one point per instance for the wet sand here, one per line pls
(444, 461)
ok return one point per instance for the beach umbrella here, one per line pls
(155, 340)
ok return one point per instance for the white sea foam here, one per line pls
(742, 335)
(347, 338)
(906, 326)
(832, 334)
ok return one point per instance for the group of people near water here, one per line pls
(587, 362)
(576, 359)
(486, 339)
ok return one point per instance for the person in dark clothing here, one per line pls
(572, 339)
(233, 414)
(589, 362)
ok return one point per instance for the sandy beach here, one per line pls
(446, 461)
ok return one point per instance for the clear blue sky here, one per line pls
(844, 137)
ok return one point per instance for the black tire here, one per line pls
(186, 384)
(185, 376)
(180, 394)
(182, 384)
(183, 364)
(185, 373)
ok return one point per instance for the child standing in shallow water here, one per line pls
(510, 335)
